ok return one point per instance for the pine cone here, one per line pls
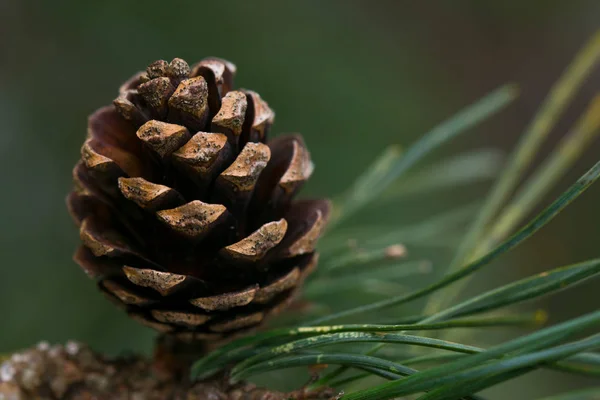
(185, 210)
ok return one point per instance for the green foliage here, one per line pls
(523, 156)
(448, 369)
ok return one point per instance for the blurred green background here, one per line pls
(352, 76)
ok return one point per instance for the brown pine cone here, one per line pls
(185, 209)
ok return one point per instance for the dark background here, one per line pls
(352, 76)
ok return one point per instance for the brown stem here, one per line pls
(173, 358)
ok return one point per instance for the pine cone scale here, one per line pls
(255, 246)
(231, 116)
(149, 196)
(226, 301)
(163, 138)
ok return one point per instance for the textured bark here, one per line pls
(75, 372)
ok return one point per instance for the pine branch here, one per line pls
(74, 371)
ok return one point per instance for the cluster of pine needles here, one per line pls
(414, 354)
